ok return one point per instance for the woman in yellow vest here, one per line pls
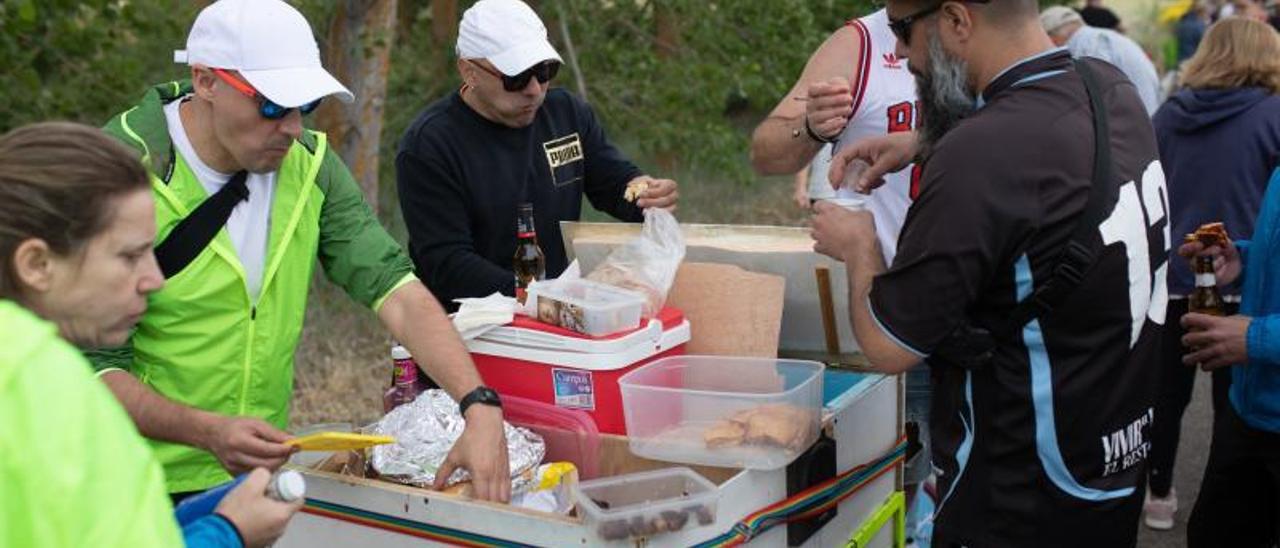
(77, 224)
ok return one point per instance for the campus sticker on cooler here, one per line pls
(573, 389)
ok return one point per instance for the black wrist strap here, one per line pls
(482, 395)
(814, 135)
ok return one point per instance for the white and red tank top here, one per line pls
(884, 101)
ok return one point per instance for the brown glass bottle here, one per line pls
(529, 263)
(1205, 298)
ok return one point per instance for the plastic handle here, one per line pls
(338, 441)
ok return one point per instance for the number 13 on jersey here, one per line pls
(1140, 209)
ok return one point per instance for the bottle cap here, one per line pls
(399, 352)
(290, 485)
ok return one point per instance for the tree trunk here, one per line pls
(359, 54)
(667, 33)
(407, 15)
(444, 22)
(666, 43)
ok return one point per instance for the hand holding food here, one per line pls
(1210, 234)
(647, 192)
(635, 189)
(1213, 239)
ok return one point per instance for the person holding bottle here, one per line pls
(506, 138)
(76, 268)
(1239, 498)
(1219, 138)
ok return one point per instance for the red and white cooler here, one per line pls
(542, 362)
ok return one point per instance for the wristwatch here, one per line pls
(482, 395)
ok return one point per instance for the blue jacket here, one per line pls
(1255, 388)
(1218, 147)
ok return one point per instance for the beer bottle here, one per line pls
(529, 264)
(1205, 298)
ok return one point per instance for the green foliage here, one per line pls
(84, 60)
(692, 107)
(687, 103)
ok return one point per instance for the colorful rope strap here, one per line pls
(811, 502)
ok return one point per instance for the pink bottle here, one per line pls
(405, 386)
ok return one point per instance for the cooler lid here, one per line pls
(669, 316)
(530, 333)
(604, 355)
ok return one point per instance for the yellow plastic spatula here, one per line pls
(338, 441)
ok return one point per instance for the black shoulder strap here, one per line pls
(972, 346)
(1081, 250)
(194, 232)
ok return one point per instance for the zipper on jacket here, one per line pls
(248, 357)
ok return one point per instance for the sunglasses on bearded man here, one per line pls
(902, 27)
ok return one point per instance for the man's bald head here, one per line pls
(998, 12)
(1007, 14)
(956, 47)
(996, 8)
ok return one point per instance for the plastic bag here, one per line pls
(647, 263)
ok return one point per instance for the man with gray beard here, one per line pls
(944, 94)
(1029, 278)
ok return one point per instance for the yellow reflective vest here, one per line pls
(74, 471)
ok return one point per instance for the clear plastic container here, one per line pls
(647, 504)
(570, 435)
(757, 413)
(586, 307)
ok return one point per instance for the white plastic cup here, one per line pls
(851, 204)
(852, 172)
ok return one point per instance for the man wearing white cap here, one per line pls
(1067, 28)
(246, 200)
(502, 140)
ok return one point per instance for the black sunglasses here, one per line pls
(543, 71)
(902, 27)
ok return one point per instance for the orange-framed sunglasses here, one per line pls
(266, 108)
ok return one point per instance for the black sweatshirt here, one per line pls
(461, 177)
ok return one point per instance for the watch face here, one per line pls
(483, 394)
(489, 395)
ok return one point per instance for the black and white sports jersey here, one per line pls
(1047, 445)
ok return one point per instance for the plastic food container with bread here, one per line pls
(755, 413)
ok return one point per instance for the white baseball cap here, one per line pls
(269, 43)
(507, 33)
(1056, 17)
